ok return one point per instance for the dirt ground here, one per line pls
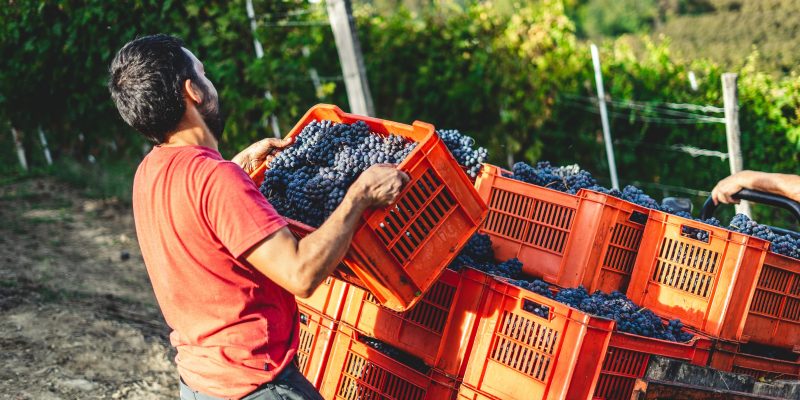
(78, 319)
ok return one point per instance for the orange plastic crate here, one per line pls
(399, 251)
(707, 285)
(628, 355)
(439, 329)
(315, 340)
(774, 314)
(328, 299)
(536, 225)
(521, 355)
(357, 371)
(728, 357)
(465, 392)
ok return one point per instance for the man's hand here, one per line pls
(726, 188)
(259, 152)
(379, 185)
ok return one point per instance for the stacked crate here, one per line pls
(726, 285)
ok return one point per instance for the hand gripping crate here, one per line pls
(708, 284)
(628, 355)
(728, 356)
(590, 239)
(398, 252)
(315, 340)
(356, 371)
(531, 347)
(773, 317)
(439, 329)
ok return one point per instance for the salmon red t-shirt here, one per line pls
(195, 215)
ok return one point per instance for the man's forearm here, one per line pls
(326, 246)
(783, 184)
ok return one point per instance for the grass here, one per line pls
(110, 179)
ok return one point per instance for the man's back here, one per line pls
(195, 215)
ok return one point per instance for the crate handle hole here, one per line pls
(638, 217)
(303, 319)
(537, 309)
(696, 233)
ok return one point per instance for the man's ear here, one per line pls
(192, 91)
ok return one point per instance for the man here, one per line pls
(785, 185)
(223, 265)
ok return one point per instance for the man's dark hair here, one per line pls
(146, 83)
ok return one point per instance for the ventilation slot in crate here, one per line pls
(305, 346)
(414, 217)
(431, 312)
(551, 226)
(686, 267)
(622, 248)
(509, 214)
(524, 345)
(777, 294)
(364, 380)
(620, 370)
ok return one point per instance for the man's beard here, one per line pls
(212, 115)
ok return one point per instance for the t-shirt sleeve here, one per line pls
(238, 213)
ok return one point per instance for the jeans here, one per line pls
(290, 384)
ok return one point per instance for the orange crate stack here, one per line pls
(536, 225)
(519, 354)
(357, 371)
(328, 299)
(773, 317)
(439, 329)
(399, 251)
(315, 340)
(728, 356)
(628, 355)
(707, 284)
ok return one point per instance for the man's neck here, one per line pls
(191, 136)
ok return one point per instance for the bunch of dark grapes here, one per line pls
(463, 150)
(786, 245)
(568, 179)
(536, 286)
(309, 179)
(637, 196)
(478, 254)
(630, 318)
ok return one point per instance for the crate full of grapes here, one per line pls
(568, 238)
(706, 276)
(399, 251)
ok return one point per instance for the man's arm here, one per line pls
(300, 266)
(786, 185)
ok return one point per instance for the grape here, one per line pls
(309, 179)
(570, 179)
(478, 254)
(630, 318)
(462, 148)
(786, 245)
